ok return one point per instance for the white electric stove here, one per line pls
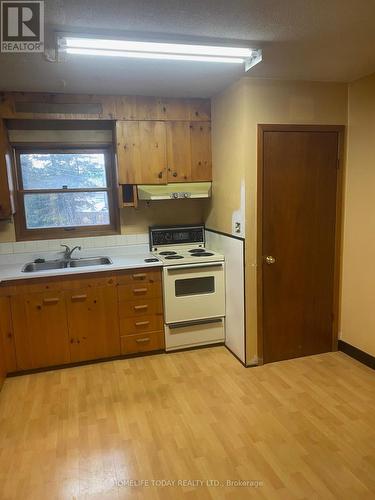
(193, 284)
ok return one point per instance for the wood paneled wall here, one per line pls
(20, 105)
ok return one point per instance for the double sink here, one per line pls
(48, 265)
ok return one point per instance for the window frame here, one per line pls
(23, 233)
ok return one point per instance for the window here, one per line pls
(64, 190)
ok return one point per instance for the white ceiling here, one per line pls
(318, 40)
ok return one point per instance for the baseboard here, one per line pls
(357, 354)
(83, 363)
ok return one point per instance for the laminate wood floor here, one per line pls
(304, 429)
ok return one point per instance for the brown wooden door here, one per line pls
(299, 191)
(93, 323)
(141, 152)
(40, 329)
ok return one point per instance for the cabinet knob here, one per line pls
(174, 174)
(160, 175)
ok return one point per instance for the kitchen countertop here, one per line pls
(13, 270)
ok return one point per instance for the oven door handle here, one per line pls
(193, 266)
(194, 322)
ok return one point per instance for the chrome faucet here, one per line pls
(68, 252)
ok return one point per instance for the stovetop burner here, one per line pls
(168, 252)
(203, 254)
(197, 250)
(174, 257)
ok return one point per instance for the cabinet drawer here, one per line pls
(139, 291)
(39, 285)
(140, 307)
(142, 342)
(139, 276)
(150, 323)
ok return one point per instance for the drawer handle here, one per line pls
(142, 323)
(140, 290)
(51, 301)
(146, 339)
(139, 308)
(79, 297)
(140, 276)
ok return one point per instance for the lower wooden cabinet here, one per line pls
(65, 320)
(93, 323)
(7, 352)
(142, 342)
(5, 321)
(148, 323)
(40, 329)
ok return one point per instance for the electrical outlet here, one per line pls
(237, 227)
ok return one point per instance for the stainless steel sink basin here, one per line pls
(90, 261)
(32, 267)
(49, 265)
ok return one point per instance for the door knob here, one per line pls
(270, 260)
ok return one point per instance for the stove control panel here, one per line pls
(185, 235)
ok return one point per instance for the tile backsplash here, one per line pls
(86, 243)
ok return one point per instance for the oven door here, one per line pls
(194, 292)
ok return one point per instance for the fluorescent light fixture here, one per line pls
(159, 50)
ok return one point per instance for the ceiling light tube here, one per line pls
(149, 55)
(158, 50)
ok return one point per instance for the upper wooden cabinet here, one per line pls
(179, 152)
(5, 172)
(201, 155)
(141, 152)
(163, 152)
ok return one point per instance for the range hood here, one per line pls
(174, 191)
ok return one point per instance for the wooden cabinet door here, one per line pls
(201, 157)
(141, 152)
(5, 160)
(4, 322)
(189, 151)
(40, 329)
(178, 151)
(7, 350)
(93, 323)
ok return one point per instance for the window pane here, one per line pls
(55, 170)
(66, 210)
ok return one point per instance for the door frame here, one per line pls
(340, 129)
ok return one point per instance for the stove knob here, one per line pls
(186, 195)
(175, 195)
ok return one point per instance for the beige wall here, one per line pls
(135, 221)
(7, 231)
(358, 279)
(235, 116)
(229, 141)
